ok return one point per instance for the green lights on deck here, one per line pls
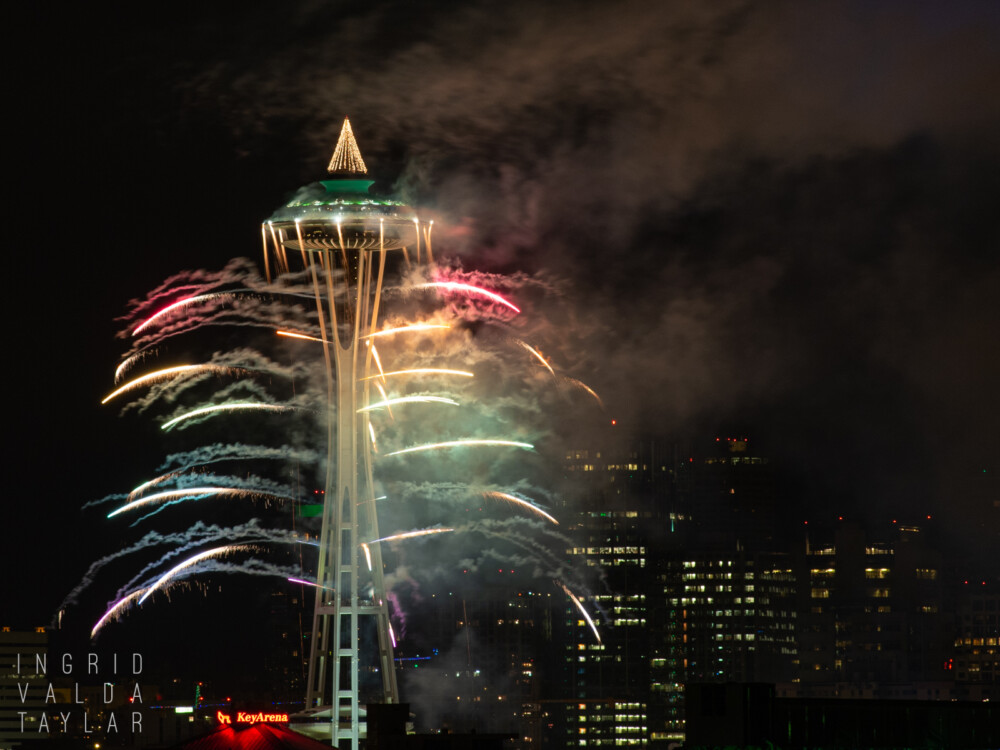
(346, 202)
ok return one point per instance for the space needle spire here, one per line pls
(346, 157)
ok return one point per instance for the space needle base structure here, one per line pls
(341, 234)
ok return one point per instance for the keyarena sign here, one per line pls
(249, 717)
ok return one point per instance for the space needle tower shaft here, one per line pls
(344, 235)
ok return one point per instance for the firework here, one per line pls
(191, 492)
(461, 443)
(583, 611)
(410, 535)
(296, 335)
(115, 610)
(413, 328)
(422, 371)
(408, 400)
(151, 483)
(587, 388)
(128, 362)
(344, 259)
(193, 560)
(378, 360)
(165, 374)
(309, 583)
(234, 406)
(176, 306)
(539, 357)
(520, 502)
(469, 289)
(385, 397)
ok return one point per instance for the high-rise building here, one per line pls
(725, 618)
(727, 490)
(975, 662)
(871, 611)
(620, 512)
(23, 682)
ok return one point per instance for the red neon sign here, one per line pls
(246, 717)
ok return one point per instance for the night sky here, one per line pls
(779, 219)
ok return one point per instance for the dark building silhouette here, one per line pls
(975, 661)
(872, 612)
(751, 716)
(23, 672)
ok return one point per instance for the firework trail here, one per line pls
(585, 387)
(217, 453)
(186, 481)
(228, 309)
(520, 502)
(583, 611)
(139, 489)
(198, 534)
(538, 542)
(410, 535)
(422, 371)
(524, 534)
(412, 328)
(178, 305)
(227, 407)
(192, 283)
(408, 400)
(222, 452)
(194, 560)
(469, 290)
(116, 610)
(250, 533)
(253, 567)
(460, 444)
(296, 335)
(304, 582)
(194, 493)
(397, 610)
(240, 276)
(157, 375)
(537, 354)
(129, 362)
(248, 365)
(385, 397)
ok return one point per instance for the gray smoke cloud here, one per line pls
(772, 215)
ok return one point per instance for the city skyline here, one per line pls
(786, 235)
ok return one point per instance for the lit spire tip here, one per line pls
(347, 156)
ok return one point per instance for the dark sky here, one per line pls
(777, 218)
